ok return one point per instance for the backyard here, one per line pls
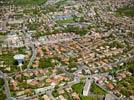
(126, 86)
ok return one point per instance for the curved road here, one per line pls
(6, 86)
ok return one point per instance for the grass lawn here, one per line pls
(65, 21)
(9, 61)
(31, 2)
(78, 87)
(90, 98)
(97, 90)
(127, 11)
(47, 62)
(61, 2)
(77, 30)
(55, 93)
(21, 50)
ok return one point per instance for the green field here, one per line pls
(9, 61)
(127, 11)
(77, 30)
(97, 90)
(65, 21)
(61, 2)
(49, 62)
(90, 98)
(25, 2)
(78, 87)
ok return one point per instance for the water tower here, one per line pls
(20, 59)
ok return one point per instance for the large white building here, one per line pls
(87, 87)
(43, 90)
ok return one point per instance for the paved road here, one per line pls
(62, 68)
(34, 53)
(49, 93)
(6, 86)
(69, 84)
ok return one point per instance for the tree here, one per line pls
(72, 62)
(131, 67)
(46, 62)
(125, 92)
(1, 82)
